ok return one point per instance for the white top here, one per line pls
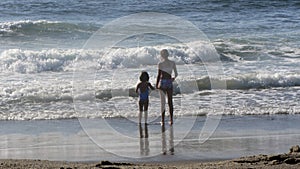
(168, 66)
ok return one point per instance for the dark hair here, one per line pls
(144, 76)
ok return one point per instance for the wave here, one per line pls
(43, 27)
(237, 82)
(262, 81)
(29, 61)
(55, 100)
(62, 91)
(256, 49)
(234, 49)
(58, 60)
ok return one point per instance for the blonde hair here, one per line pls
(164, 53)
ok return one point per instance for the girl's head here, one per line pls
(144, 76)
(164, 53)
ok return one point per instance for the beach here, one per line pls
(68, 73)
(65, 143)
(288, 160)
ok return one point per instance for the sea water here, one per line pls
(48, 72)
(42, 45)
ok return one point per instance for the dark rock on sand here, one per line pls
(295, 149)
(290, 161)
(252, 159)
(293, 157)
(111, 165)
(106, 163)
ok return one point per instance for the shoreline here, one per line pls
(289, 160)
(65, 140)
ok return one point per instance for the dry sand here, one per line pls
(289, 160)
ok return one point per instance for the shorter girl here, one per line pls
(143, 90)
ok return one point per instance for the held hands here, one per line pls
(156, 86)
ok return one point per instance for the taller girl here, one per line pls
(164, 83)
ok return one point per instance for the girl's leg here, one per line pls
(170, 103)
(140, 117)
(140, 111)
(146, 111)
(162, 105)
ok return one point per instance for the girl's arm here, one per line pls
(151, 87)
(137, 88)
(175, 70)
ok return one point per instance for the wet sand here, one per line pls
(65, 140)
(280, 161)
(288, 160)
(236, 143)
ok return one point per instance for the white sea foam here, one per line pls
(31, 61)
(51, 96)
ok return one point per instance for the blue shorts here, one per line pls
(166, 84)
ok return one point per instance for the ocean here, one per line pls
(67, 60)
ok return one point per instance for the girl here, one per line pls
(143, 90)
(164, 83)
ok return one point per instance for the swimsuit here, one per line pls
(144, 95)
(166, 84)
(144, 100)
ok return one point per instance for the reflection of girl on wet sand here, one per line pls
(164, 83)
(144, 142)
(164, 140)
